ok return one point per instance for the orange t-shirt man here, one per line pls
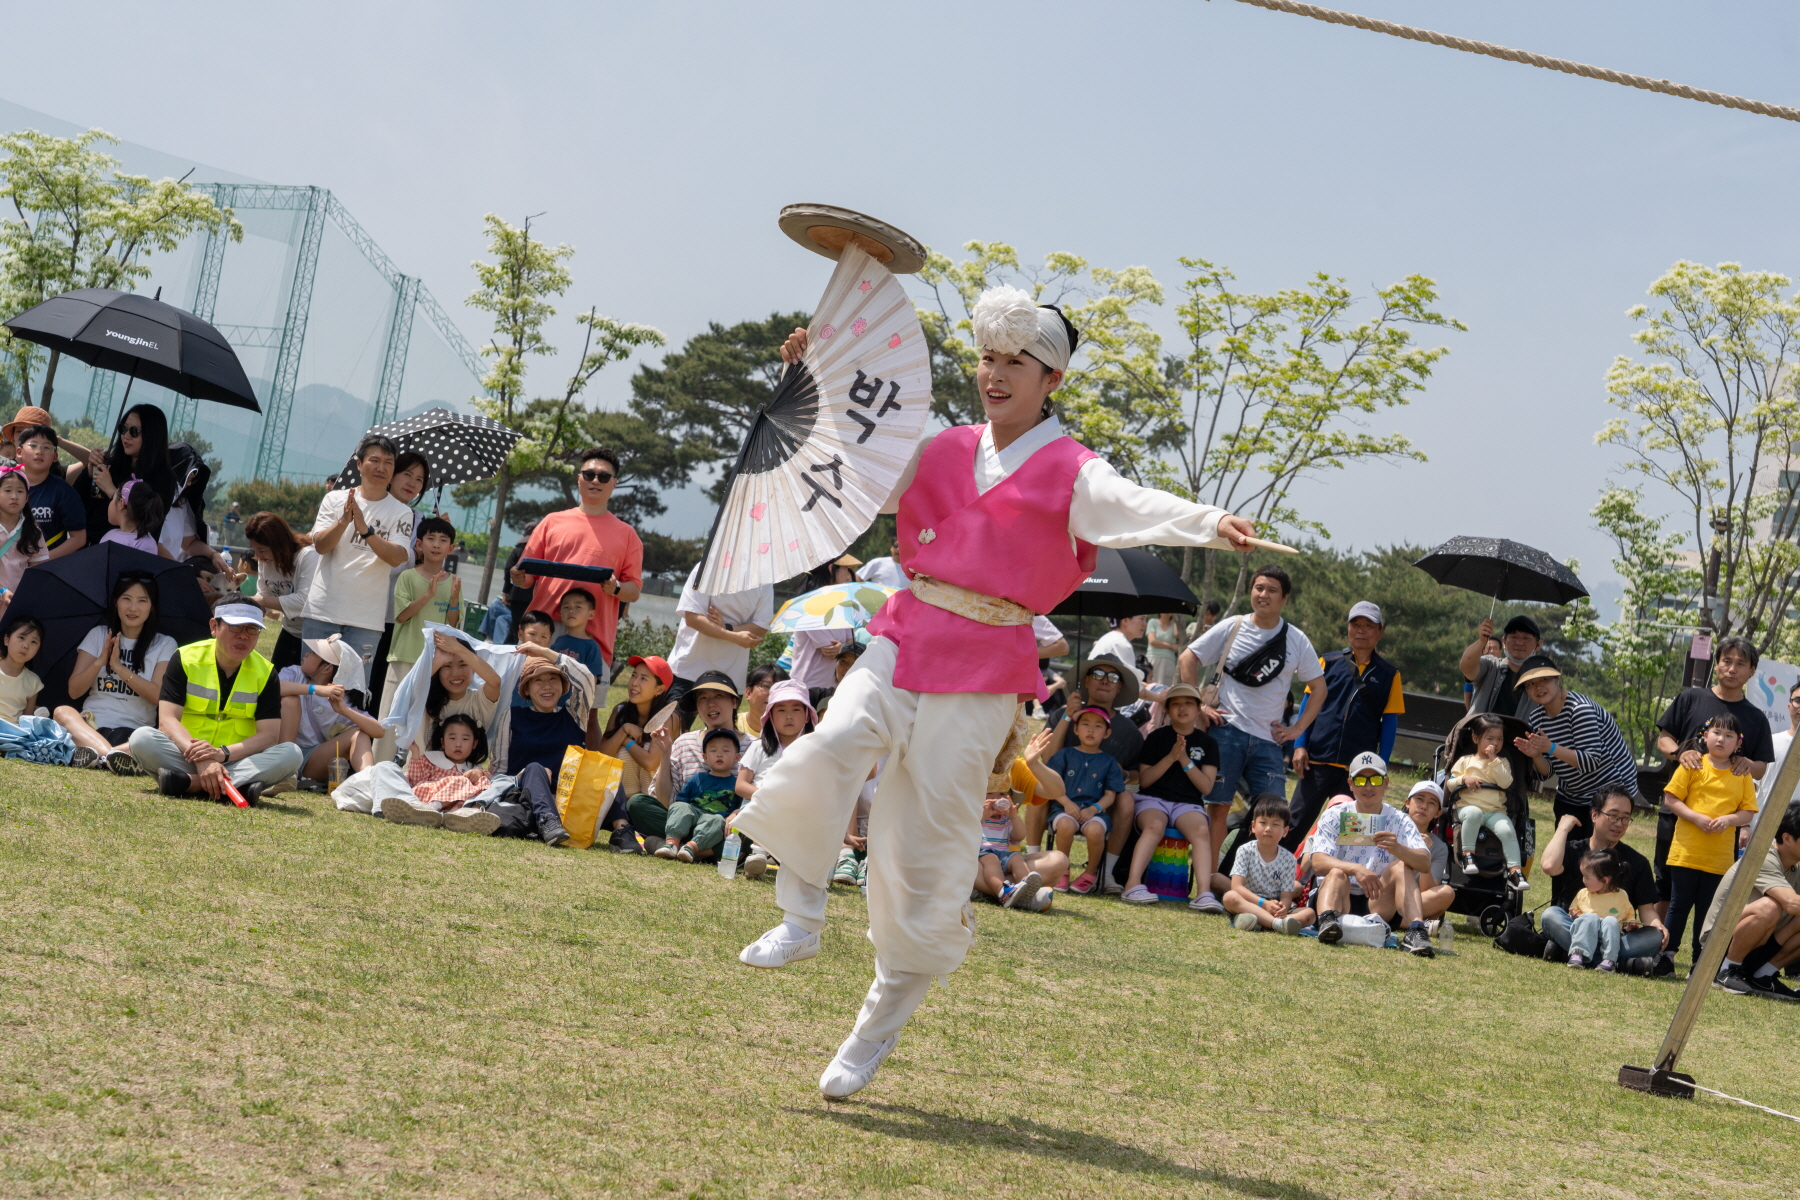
(600, 540)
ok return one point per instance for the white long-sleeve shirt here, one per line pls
(1105, 508)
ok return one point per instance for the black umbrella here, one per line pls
(460, 449)
(1128, 583)
(1505, 570)
(68, 595)
(141, 337)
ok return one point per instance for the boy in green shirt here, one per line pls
(425, 592)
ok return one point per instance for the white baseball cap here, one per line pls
(1366, 608)
(1427, 785)
(1368, 762)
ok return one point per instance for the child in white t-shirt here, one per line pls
(117, 678)
(1265, 882)
(19, 687)
(789, 716)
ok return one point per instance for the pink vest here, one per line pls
(1012, 542)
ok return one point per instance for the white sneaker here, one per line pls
(410, 812)
(471, 820)
(756, 864)
(1024, 891)
(843, 1078)
(780, 946)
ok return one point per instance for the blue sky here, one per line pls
(660, 140)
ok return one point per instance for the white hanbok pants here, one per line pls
(924, 827)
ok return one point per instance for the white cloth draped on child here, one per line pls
(407, 716)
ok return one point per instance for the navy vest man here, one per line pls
(1361, 713)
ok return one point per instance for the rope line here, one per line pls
(1335, 17)
(1723, 1096)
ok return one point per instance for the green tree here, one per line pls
(1712, 417)
(1274, 388)
(78, 222)
(697, 406)
(1641, 656)
(516, 289)
(294, 502)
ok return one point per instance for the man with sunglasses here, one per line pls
(1373, 870)
(593, 537)
(1641, 952)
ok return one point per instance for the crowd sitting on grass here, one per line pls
(373, 690)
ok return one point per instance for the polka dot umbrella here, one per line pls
(460, 448)
(839, 606)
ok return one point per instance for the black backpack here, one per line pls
(1521, 937)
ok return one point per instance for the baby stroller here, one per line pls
(1485, 895)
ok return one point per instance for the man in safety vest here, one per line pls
(219, 714)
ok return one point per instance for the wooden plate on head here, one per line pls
(826, 229)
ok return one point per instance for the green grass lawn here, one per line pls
(289, 1001)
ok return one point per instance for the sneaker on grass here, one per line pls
(624, 840)
(121, 762)
(845, 871)
(291, 783)
(1331, 927)
(400, 811)
(756, 864)
(780, 946)
(86, 759)
(1415, 941)
(665, 848)
(1140, 895)
(478, 821)
(1022, 892)
(688, 853)
(1245, 923)
(1770, 987)
(1733, 980)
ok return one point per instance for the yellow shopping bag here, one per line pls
(583, 789)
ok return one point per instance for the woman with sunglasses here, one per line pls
(139, 450)
(590, 536)
(117, 677)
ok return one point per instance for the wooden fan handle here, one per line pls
(1267, 545)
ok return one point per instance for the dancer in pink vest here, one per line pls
(997, 523)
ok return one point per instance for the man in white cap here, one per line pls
(1361, 711)
(938, 687)
(1367, 855)
(219, 713)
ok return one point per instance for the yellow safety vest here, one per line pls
(202, 712)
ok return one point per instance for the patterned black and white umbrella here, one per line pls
(460, 449)
(1503, 569)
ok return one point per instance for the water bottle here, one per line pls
(728, 855)
(340, 771)
(1446, 935)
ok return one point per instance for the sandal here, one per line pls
(1085, 884)
(1140, 895)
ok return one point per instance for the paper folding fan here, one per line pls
(830, 445)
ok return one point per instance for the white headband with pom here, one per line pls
(1008, 320)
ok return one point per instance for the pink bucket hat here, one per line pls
(789, 689)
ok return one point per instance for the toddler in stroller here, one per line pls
(1482, 887)
(1477, 787)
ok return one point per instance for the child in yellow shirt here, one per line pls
(1711, 804)
(1602, 911)
(1477, 785)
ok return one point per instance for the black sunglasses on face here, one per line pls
(133, 431)
(598, 476)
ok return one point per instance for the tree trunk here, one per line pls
(502, 483)
(44, 388)
(1212, 575)
(1187, 567)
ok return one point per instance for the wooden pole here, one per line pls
(1687, 1012)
